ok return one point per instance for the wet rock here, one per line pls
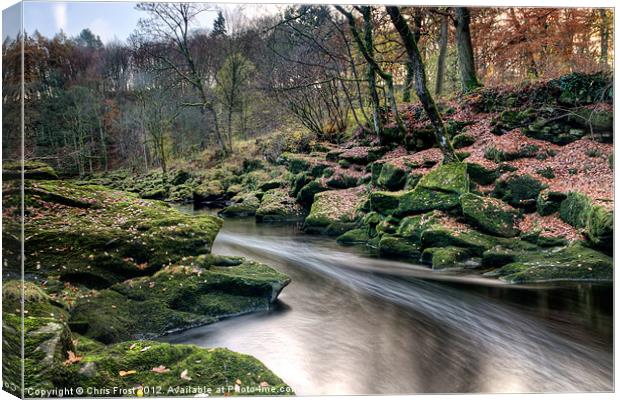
(491, 215)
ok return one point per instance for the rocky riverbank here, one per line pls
(530, 201)
(104, 272)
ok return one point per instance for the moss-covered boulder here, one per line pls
(548, 202)
(245, 208)
(490, 214)
(277, 206)
(392, 177)
(445, 257)
(463, 140)
(393, 246)
(96, 236)
(422, 200)
(385, 203)
(450, 178)
(354, 236)
(575, 208)
(342, 180)
(573, 263)
(482, 175)
(195, 292)
(146, 368)
(600, 228)
(498, 256)
(12, 170)
(519, 191)
(307, 192)
(412, 227)
(211, 191)
(334, 206)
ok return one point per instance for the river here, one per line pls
(350, 323)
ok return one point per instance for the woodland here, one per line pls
(464, 140)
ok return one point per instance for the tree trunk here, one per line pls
(469, 81)
(603, 61)
(441, 60)
(417, 34)
(372, 78)
(441, 134)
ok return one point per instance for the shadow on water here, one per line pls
(353, 324)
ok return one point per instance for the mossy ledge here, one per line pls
(106, 270)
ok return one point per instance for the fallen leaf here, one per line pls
(238, 381)
(125, 373)
(264, 384)
(73, 358)
(160, 370)
(145, 348)
(185, 375)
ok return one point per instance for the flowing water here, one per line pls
(350, 323)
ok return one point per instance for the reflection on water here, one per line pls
(353, 324)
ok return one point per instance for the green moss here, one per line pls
(117, 236)
(334, 206)
(492, 215)
(412, 227)
(246, 208)
(354, 236)
(207, 368)
(548, 202)
(600, 228)
(575, 208)
(463, 140)
(276, 206)
(398, 247)
(421, 200)
(573, 263)
(451, 178)
(482, 175)
(519, 191)
(209, 191)
(498, 256)
(31, 170)
(177, 297)
(445, 257)
(385, 202)
(307, 192)
(391, 177)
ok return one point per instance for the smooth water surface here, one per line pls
(352, 324)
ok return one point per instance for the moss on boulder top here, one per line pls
(98, 236)
(195, 292)
(12, 170)
(451, 178)
(139, 365)
(333, 207)
(492, 215)
(277, 206)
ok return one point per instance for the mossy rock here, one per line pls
(599, 121)
(342, 180)
(520, 191)
(155, 193)
(354, 236)
(398, 247)
(272, 184)
(180, 177)
(307, 192)
(498, 257)
(450, 178)
(392, 177)
(421, 200)
(412, 227)
(463, 140)
(575, 208)
(445, 257)
(182, 296)
(333, 206)
(548, 202)
(186, 368)
(12, 170)
(277, 206)
(246, 208)
(299, 181)
(412, 180)
(481, 175)
(573, 263)
(116, 237)
(490, 214)
(600, 228)
(209, 191)
(385, 202)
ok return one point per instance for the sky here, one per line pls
(110, 20)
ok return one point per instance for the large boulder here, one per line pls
(97, 236)
(450, 178)
(600, 228)
(308, 191)
(12, 170)
(197, 291)
(492, 215)
(422, 200)
(392, 177)
(277, 206)
(385, 203)
(334, 207)
(520, 191)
